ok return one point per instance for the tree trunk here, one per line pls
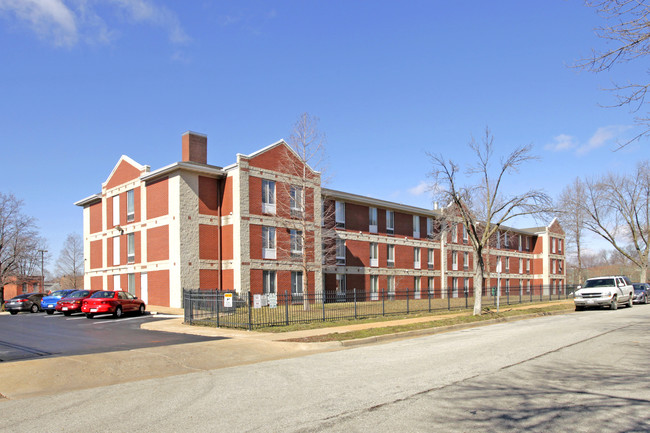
(478, 282)
(643, 274)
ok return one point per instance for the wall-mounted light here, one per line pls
(119, 229)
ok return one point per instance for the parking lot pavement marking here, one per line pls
(122, 319)
(75, 318)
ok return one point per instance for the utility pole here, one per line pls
(42, 271)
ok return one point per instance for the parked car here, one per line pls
(609, 291)
(641, 292)
(72, 303)
(26, 302)
(111, 302)
(48, 303)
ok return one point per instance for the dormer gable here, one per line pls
(124, 171)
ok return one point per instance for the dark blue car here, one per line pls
(48, 303)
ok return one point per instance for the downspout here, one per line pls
(219, 257)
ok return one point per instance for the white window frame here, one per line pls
(559, 246)
(296, 244)
(374, 254)
(374, 287)
(432, 284)
(553, 245)
(465, 260)
(416, 226)
(372, 219)
(116, 250)
(296, 201)
(527, 243)
(465, 234)
(268, 197)
(454, 260)
(417, 288)
(296, 283)
(117, 283)
(507, 263)
(454, 287)
(131, 283)
(130, 247)
(390, 222)
(430, 258)
(552, 266)
(390, 285)
(498, 239)
(339, 211)
(429, 227)
(390, 255)
(416, 258)
(269, 279)
(340, 284)
(340, 251)
(465, 285)
(130, 205)
(521, 265)
(116, 210)
(454, 233)
(528, 266)
(268, 243)
(521, 246)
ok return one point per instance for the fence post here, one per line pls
(286, 306)
(520, 289)
(355, 303)
(407, 300)
(383, 302)
(429, 294)
(448, 300)
(541, 293)
(508, 295)
(466, 294)
(217, 293)
(323, 295)
(250, 310)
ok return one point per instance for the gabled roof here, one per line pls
(131, 162)
(89, 200)
(205, 169)
(355, 198)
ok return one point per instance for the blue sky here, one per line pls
(85, 81)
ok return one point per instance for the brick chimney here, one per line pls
(195, 147)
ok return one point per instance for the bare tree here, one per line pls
(70, 264)
(19, 242)
(618, 210)
(481, 204)
(572, 214)
(305, 167)
(628, 28)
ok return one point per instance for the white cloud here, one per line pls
(562, 142)
(66, 22)
(421, 188)
(601, 137)
(49, 19)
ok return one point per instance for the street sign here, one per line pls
(227, 300)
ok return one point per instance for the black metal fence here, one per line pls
(249, 311)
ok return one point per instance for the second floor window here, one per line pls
(430, 258)
(429, 227)
(130, 255)
(268, 196)
(416, 226)
(390, 222)
(340, 214)
(296, 242)
(372, 217)
(116, 210)
(374, 254)
(390, 255)
(130, 206)
(465, 261)
(416, 258)
(268, 243)
(296, 200)
(454, 260)
(116, 250)
(340, 251)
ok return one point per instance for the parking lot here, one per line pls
(29, 336)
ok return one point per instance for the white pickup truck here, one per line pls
(609, 291)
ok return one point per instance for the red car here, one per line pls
(111, 302)
(72, 303)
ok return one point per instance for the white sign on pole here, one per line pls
(257, 301)
(227, 300)
(273, 300)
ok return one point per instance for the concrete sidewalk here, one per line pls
(54, 375)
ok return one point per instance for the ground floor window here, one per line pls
(296, 283)
(268, 282)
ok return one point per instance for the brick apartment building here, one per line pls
(193, 225)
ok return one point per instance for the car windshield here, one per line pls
(639, 287)
(600, 282)
(103, 294)
(58, 293)
(79, 294)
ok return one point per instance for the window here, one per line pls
(521, 266)
(130, 244)
(431, 285)
(465, 260)
(24, 287)
(116, 210)
(390, 255)
(465, 236)
(372, 218)
(340, 284)
(117, 286)
(553, 245)
(498, 239)
(296, 283)
(416, 288)
(527, 243)
(340, 251)
(268, 243)
(296, 201)
(340, 214)
(430, 227)
(268, 196)
(390, 285)
(559, 266)
(559, 245)
(506, 244)
(116, 250)
(416, 226)
(520, 243)
(454, 260)
(466, 285)
(430, 258)
(454, 233)
(268, 282)
(507, 262)
(374, 254)
(374, 287)
(416, 258)
(454, 287)
(130, 206)
(507, 285)
(528, 266)
(552, 266)
(131, 283)
(390, 222)
(296, 242)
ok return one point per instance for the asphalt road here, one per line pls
(29, 336)
(582, 372)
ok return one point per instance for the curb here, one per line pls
(442, 329)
